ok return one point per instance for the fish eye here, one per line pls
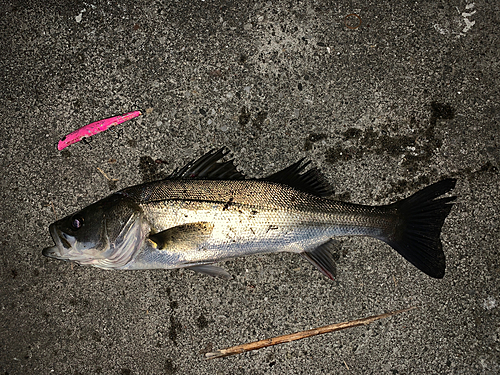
(76, 222)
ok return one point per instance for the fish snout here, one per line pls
(60, 243)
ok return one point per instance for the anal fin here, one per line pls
(321, 257)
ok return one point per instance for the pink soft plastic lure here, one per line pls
(95, 128)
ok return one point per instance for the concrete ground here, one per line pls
(384, 102)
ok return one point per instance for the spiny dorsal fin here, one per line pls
(207, 167)
(312, 181)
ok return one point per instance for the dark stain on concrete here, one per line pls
(202, 322)
(147, 168)
(258, 121)
(175, 329)
(150, 169)
(353, 133)
(112, 185)
(169, 367)
(132, 143)
(441, 111)
(244, 116)
(313, 138)
(488, 167)
(417, 147)
(339, 152)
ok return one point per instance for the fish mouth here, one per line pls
(51, 252)
(62, 245)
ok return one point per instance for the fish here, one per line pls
(208, 212)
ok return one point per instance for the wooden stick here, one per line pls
(300, 335)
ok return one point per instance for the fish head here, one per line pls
(105, 234)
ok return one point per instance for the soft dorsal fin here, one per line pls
(312, 181)
(208, 167)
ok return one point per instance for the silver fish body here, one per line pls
(209, 212)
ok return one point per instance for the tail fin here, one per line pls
(416, 237)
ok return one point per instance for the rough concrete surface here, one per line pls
(408, 97)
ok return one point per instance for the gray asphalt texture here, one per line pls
(384, 108)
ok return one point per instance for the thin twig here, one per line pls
(299, 335)
(53, 209)
(347, 367)
(106, 176)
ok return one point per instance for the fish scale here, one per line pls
(259, 202)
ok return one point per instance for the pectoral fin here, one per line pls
(211, 270)
(322, 258)
(184, 236)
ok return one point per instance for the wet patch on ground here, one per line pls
(415, 148)
(256, 120)
(313, 138)
(151, 170)
(169, 367)
(202, 322)
(175, 329)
